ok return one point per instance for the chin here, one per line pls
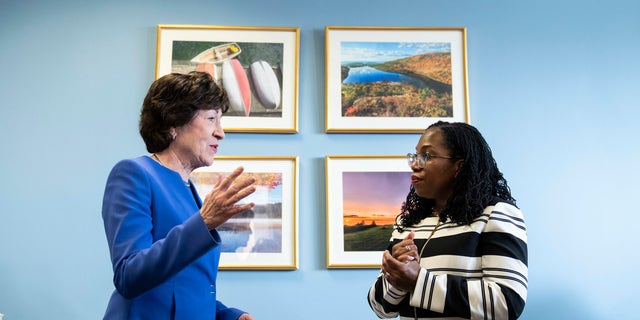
(422, 194)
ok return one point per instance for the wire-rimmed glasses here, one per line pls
(422, 158)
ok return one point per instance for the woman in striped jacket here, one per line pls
(459, 248)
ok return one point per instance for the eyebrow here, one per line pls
(424, 148)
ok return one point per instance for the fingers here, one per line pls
(410, 236)
(390, 266)
(225, 181)
(221, 203)
(399, 274)
(232, 189)
(239, 208)
(232, 176)
(405, 247)
(240, 190)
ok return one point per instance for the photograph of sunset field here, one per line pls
(371, 201)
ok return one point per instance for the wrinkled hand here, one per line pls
(245, 316)
(220, 204)
(402, 268)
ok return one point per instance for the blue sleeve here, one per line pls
(224, 313)
(139, 263)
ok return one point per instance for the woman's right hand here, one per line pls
(220, 204)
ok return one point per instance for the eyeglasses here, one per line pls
(422, 158)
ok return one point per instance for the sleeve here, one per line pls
(384, 298)
(139, 263)
(500, 289)
(225, 313)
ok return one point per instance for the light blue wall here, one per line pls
(553, 86)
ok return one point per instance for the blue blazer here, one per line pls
(165, 260)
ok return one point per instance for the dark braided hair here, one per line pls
(477, 185)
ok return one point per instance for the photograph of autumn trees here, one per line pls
(257, 230)
(396, 79)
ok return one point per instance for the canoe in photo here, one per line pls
(265, 84)
(218, 54)
(211, 69)
(236, 83)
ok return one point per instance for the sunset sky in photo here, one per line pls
(373, 196)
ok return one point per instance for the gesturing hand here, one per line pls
(220, 204)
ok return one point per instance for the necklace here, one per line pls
(429, 238)
(415, 309)
(155, 156)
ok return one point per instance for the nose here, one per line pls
(413, 164)
(218, 132)
(412, 161)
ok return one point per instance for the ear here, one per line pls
(459, 163)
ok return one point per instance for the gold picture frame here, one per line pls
(257, 66)
(394, 79)
(364, 194)
(267, 236)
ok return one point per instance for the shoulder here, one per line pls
(132, 169)
(504, 216)
(141, 163)
(505, 207)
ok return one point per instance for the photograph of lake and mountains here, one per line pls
(258, 230)
(369, 213)
(396, 79)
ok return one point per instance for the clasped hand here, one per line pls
(400, 266)
(220, 204)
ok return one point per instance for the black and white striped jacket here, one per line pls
(476, 271)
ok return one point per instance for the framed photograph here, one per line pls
(257, 66)
(364, 196)
(394, 79)
(266, 236)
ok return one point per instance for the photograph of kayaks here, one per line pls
(233, 77)
(253, 86)
(257, 67)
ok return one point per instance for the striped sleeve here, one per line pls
(502, 291)
(497, 289)
(384, 298)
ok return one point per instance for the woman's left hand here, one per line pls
(405, 250)
(245, 316)
(402, 275)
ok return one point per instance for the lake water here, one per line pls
(264, 236)
(369, 74)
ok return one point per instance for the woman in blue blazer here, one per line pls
(162, 238)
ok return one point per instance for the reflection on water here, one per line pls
(258, 235)
(369, 74)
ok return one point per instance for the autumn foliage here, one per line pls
(400, 99)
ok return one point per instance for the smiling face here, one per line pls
(197, 142)
(435, 180)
